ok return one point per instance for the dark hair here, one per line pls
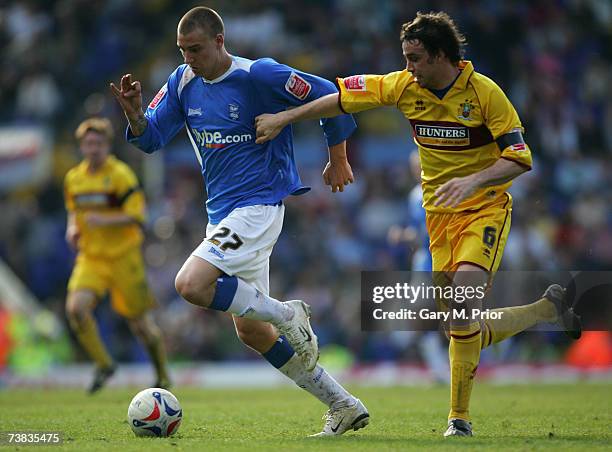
(438, 33)
(202, 18)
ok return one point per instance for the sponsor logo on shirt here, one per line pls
(297, 86)
(86, 200)
(194, 112)
(234, 112)
(217, 140)
(216, 252)
(159, 96)
(442, 136)
(355, 83)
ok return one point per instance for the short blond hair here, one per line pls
(99, 125)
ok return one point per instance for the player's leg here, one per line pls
(197, 284)
(79, 309)
(147, 331)
(494, 228)
(464, 334)
(477, 243)
(515, 319)
(203, 284)
(131, 298)
(87, 284)
(552, 307)
(346, 412)
(215, 276)
(464, 347)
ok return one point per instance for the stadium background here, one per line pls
(552, 58)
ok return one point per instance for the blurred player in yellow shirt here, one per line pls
(471, 147)
(106, 209)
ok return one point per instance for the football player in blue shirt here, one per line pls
(216, 97)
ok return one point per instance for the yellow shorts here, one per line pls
(124, 277)
(477, 237)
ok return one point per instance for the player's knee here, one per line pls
(193, 289)
(77, 311)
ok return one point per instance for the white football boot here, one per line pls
(300, 335)
(340, 420)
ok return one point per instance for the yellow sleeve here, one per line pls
(362, 92)
(68, 200)
(131, 197)
(502, 120)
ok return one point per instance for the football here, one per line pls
(154, 412)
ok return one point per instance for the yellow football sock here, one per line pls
(157, 352)
(464, 355)
(515, 319)
(89, 338)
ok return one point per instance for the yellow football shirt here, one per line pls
(112, 188)
(466, 131)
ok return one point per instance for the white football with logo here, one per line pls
(154, 412)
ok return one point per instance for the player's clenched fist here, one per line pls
(337, 175)
(268, 127)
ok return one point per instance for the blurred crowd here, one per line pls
(552, 57)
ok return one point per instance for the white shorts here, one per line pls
(241, 244)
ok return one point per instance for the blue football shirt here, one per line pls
(219, 116)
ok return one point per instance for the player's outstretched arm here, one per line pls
(269, 126)
(338, 171)
(129, 96)
(456, 190)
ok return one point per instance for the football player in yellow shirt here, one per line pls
(106, 209)
(471, 147)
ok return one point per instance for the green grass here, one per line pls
(526, 417)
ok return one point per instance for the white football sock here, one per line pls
(317, 382)
(250, 303)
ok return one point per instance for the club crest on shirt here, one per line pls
(297, 86)
(465, 110)
(234, 112)
(355, 83)
(159, 96)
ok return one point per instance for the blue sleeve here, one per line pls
(164, 117)
(282, 86)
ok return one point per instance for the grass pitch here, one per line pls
(526, 417)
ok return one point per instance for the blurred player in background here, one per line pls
(216, 97)
(106, 209)
(414, 233)
(471, 147)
